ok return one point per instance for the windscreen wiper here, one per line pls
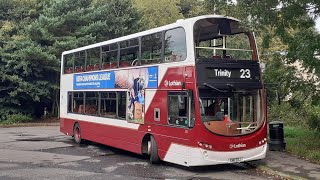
(212, 87)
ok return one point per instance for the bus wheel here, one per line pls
(77, 134)
(153, 151)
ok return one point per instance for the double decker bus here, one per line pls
(188, 93)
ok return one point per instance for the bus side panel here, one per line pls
(167, 138)
(66, 126)
(118, 137)
(166, 135)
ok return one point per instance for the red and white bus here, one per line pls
(188, 93)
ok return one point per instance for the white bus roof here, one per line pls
(178, 23)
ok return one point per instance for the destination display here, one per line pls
(242, 73)
(226, 74)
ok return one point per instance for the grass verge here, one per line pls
(33, 122)
(303, 142)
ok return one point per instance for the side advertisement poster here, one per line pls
(135, 81)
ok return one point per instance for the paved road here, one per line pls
(45, 153)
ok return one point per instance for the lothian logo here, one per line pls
(172, 83)
(235, 146)
(166, 83)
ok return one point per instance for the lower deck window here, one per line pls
(78, 102)
(69, 102)
(105, 104)
(108, 104)
(122, 104)
(91, 103)
(177, 108)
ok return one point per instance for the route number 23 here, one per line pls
(245, 73)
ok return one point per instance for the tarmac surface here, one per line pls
(290, 166)
(42, 152)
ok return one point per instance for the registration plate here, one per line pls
(236, 160)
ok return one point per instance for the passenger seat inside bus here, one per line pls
(68, 70)
(79, 69)
(109, 65)
(124, 64)
(96, 67)
(90, 68)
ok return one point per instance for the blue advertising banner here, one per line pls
(123, 79)
(97, 80)
(153, 77)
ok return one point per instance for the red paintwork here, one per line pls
(130, 140)
(122, 138)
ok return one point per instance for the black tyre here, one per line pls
(153, 151)
(77, 134)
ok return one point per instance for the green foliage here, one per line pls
(303, 142)
(285, 113)
(17, 118)
(34, 33)
(314, 118)
(190, 8)
(158, 13)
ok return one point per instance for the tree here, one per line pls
(15, 15)
(158, 13)
(31, 57)
(190, 8)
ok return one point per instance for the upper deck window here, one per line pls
(80, 61)
(129, 50)
(175, 45)
(68, 63)
(222, 38)
(93, 59)
(161, 47)
(109, 56)
(151, 46)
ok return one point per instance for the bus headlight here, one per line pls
(205, 145)
(264, 140)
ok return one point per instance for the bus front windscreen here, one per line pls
(231, 113)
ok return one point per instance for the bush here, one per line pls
(287, 114)
(17, 118)
(302, 141)
(314, 118)
(304, 116)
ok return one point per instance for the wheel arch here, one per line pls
(74, 124)
(144, 143)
